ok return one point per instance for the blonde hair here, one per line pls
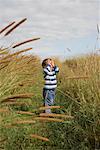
(44, 62)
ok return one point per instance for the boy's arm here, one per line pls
(56, 69)
(48, 70)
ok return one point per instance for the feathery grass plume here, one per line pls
(98, 28)
(10, 100)
(67, 95)
(78, 77)
(51, 107)
(39, 137)
(22, 67)
(24, 42)
(4, 110)
(3, 52)
(27, 82)
(56, 115)
(25, 112)
(24, 122)
(15, 26)
(17, 53)
(3, 66)
(4, 48)
(48, 119)
(9, 25)
(4, 61)
(15, 103)
(9, 125)
(3, 140)
(26, 95)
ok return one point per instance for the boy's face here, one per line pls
(49, 61)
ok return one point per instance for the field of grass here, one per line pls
(75, 124)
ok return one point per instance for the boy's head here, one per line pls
(46, 61)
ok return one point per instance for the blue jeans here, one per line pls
(49, 96)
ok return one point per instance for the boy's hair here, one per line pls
(44, 62)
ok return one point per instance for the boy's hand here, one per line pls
(52, 63)
(49, 62)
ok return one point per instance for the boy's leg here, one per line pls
(43, 94)
(49, 99)
(47, 103)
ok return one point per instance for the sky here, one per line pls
(61, 24)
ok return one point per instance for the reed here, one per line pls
(10, 100)
(78, 92)
(78, 77)
(24, 122)
(27, 82)
(16, 53)
(24, 112)
(24, 42)
(56, 115)
(51, 107)
(2, 110)
(3, 67)
(3, 140)
(48, 119)
(15, 26)
(5, 28)
(39, 137)
(15, 103)
(4, 61)
(26, 95)
(3, 52)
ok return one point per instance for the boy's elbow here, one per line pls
(57, 69)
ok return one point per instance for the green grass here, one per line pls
(78, 92)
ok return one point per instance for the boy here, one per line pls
(50, 71)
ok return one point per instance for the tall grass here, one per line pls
(19, 82)
(23, 125)
(81, 97)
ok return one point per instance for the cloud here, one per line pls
(51, 19)
(60, 19)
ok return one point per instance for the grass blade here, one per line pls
(7, 27)
(24, 42)
(14, 27)
(39, 137)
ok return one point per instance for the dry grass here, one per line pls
(78, 92)
(48, 119)
(8, 103)
(51, 107)
(4, 110)
(25, 112)
(14, 54)
(15, 26)
(16, 69)
(27, 95)
(39, 137)
(24, 42)
(78, 77)
(56, 115)
(26, 83)
(4, 61)
(3, 140)
(5, 28)
(24, 122)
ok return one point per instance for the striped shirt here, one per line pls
(50, 77)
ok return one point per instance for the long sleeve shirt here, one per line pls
(50, 77)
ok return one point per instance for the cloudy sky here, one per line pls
(60, 24)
